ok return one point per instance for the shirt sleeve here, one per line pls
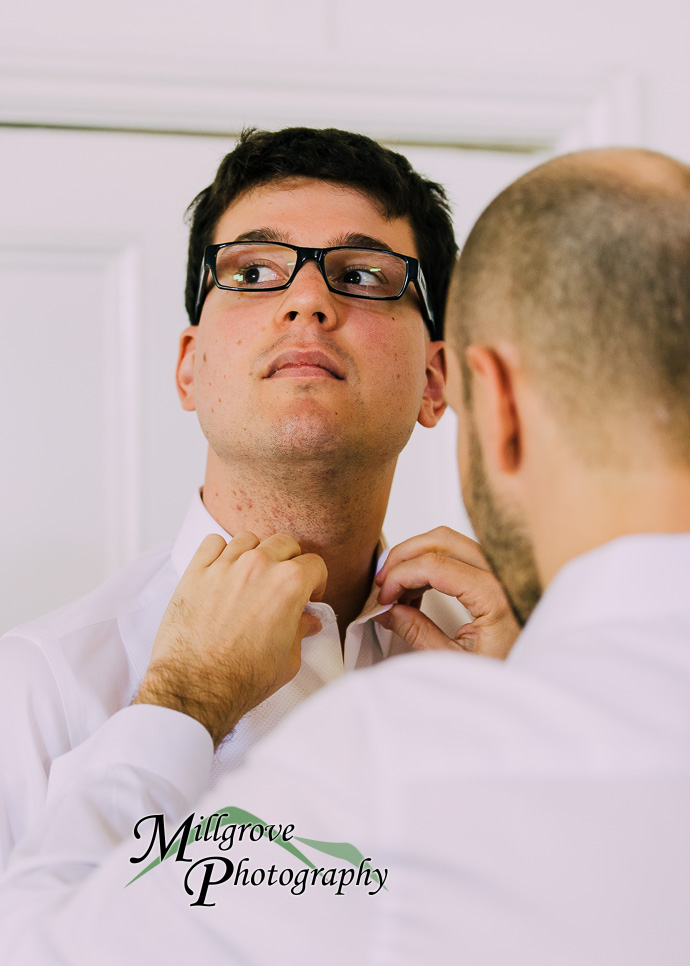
(33, 731)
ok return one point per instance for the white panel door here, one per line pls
(98, 460)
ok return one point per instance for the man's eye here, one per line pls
(257, 275)
(360, 277)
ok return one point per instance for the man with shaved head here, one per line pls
(530, 811)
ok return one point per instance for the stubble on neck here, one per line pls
(333, 509)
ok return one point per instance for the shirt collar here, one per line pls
(630, 579)
(198, 523)
(372, 608)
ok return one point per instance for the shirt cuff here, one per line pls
(146, 737)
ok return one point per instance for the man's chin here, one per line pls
(329, 444)
(309, 431)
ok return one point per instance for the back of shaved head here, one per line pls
(584, 264)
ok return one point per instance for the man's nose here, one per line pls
(308, 299)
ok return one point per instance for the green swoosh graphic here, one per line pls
(339, 850)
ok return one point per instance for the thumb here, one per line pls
(415, 628)
(309, 625)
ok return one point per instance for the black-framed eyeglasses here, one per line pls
(361, 273)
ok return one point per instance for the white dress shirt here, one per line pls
(62, 676)
(527, 812)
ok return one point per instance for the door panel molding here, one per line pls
(510, 111)
(116, 264)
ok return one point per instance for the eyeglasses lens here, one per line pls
(253, 267)
(358, 271)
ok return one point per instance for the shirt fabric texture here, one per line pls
(527, 811)
(64, 675)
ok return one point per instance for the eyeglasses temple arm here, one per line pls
(200, 291)
(420, 282)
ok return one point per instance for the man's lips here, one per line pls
(304, 363)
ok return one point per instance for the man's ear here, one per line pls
(185, 369)
(496, 415)
(434, 399)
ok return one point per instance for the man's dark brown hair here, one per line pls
(339, 157)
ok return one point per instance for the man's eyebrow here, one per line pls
(356, 239)
(348, 239)
(265, 235)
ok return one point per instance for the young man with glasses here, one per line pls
(317, 274)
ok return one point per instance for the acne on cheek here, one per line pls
(378, 340)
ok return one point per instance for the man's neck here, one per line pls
(596, 508)
(339, 519)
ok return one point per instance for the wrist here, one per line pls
(158, 688)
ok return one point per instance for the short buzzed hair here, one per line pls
(584, 263)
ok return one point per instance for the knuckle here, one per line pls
(213, 541)
(497, 598)
(289, 541)
(290, 571)
(412, 632)
(436, 558)
(253, 561)
(244, 535)
(212, 538)
(292, 577)
(442, 534)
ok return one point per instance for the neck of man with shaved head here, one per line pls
(570, 315)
